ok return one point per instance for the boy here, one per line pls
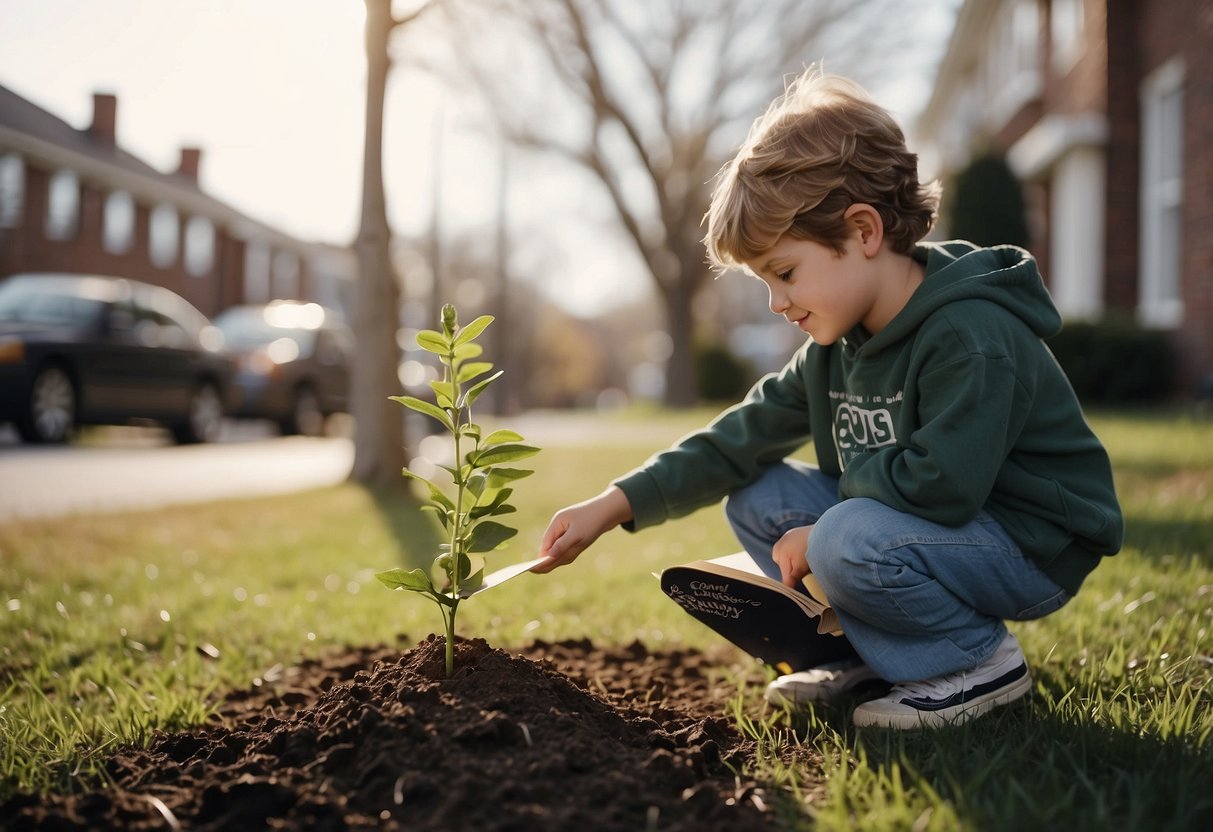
(959, 484)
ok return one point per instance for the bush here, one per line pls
(987, 206)
(720, 375)
(1116, 361)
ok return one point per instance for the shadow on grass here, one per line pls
(416, 532)
(1029, 767)
(1160, 538)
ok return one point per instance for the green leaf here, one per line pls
(425, 407)
(488, 536)
(477, 483)
(498, 437)
(474, 392)
(443, 515)
(473, 329)
(407, 474)
(504, 453)
(465, 568)
(432, 341)
(414, 580)
(465, 352)
(439, 497)
(444, 392)
(492, 511)
(498, 498)
(500, 476)
(471, 369)
(472, 582)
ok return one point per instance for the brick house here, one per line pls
(74, 201)
(1104, 110)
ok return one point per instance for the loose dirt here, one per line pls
(565, 737)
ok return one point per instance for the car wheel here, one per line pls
(50, 413)
(306, 418)
(205, 418)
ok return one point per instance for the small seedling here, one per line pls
(481, 484)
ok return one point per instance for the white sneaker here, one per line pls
(954, 697)
(819, 683)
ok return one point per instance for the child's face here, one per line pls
(819, 290)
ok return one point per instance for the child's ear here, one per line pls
(866, 222)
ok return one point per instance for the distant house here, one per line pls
(74, 201)
(1104, 109)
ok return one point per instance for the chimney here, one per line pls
(105, 118)
(191, 158)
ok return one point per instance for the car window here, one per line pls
(180, 325)
(343, 342)
(26, 302)
(245, 329)
(328, 348)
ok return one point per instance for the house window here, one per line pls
(1160, 299)
(63, 205)
(1011, 72)
(199, 246)
(256, 272)
(286, 275)
(163, 233)
(12, 189)
(118, 223)
(1065, 32)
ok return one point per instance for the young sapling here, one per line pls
(480, 482)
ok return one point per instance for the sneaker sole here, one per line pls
(911, 719)
(825, 693)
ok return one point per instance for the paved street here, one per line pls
(139, 468)
(118, 469)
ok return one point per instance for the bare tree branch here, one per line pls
(662, 90)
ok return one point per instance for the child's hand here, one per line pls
(791, 553)
(573, 529)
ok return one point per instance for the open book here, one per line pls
(791, 629)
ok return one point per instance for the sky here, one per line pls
(273, 93)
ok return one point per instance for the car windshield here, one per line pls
(25, 301)
(245, 329)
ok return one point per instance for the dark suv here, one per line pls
(86, 349)
(294, 363)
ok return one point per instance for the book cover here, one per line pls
(790, 629)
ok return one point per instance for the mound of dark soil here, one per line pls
(576, 738)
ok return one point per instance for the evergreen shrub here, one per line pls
(720, 375)
(987, 204)
(1116, 361)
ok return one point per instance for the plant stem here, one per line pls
(458, 521)
(450, 641)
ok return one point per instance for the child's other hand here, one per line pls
(575, 528)
(791, 553)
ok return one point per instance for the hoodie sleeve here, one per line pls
(969, 411)
(701, 469)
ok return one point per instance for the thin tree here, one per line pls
(379, 439)
(666, 89)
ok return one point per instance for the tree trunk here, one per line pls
(681, 390)
(379, 440)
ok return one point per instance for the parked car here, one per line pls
(293, 363)
(89, 350)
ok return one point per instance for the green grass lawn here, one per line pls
(113, 626)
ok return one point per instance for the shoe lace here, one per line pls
(935, 688)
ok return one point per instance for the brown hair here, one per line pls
(821, 147)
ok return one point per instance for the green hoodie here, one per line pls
(954, 407)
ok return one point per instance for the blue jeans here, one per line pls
(915, 598)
